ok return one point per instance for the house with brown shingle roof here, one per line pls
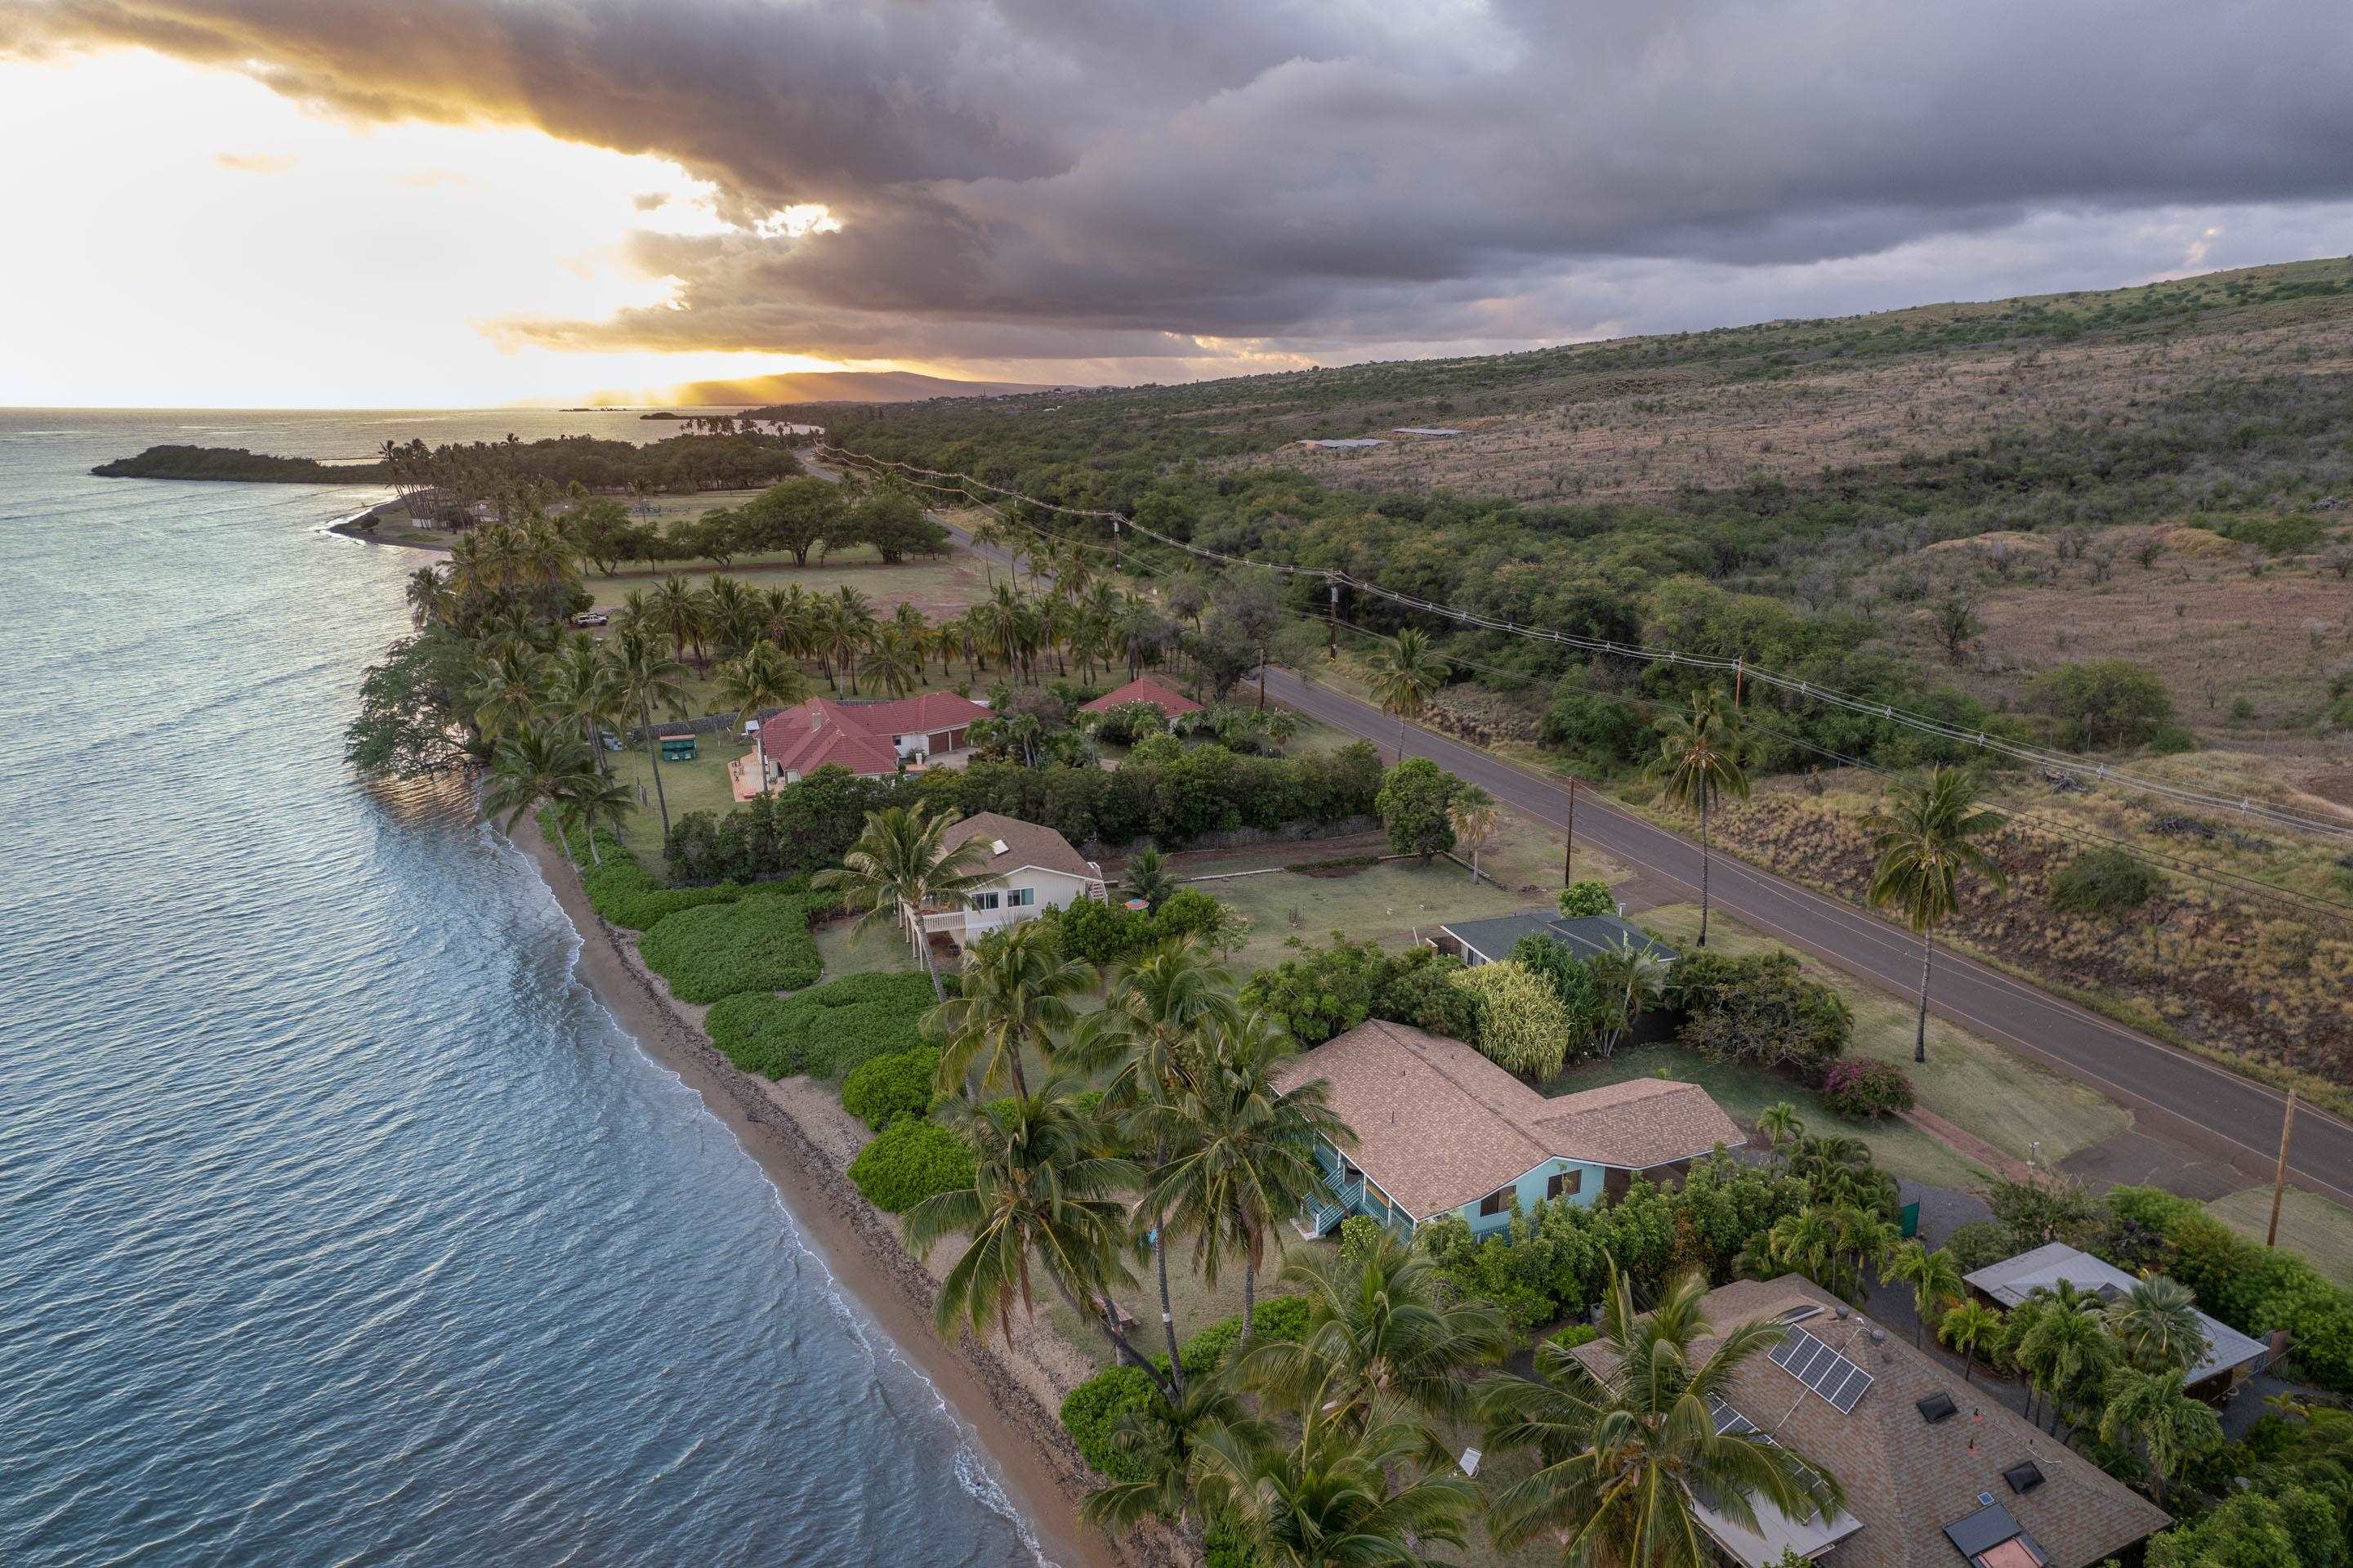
(1935, 1474)
(1027, 869)
(1440, 1129)
(1144, 689)
(872, 740)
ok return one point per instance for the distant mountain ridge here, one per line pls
(837, 386)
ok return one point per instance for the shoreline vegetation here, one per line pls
(995, 1390)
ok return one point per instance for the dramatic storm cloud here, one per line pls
(1112, 184)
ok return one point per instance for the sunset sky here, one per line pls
(465, 202)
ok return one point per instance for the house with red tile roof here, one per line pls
(870, 740)
(1144, 689)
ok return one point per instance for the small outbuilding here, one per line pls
(2230, 1357)
(1490, 942)
(677, 745)
(1144, 689)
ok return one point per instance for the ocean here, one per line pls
(339, 1222)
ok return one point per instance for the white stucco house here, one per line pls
(1029, 869)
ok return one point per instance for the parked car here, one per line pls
(591, 618)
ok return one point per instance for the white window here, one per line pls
(1021, 898)
(984, 901)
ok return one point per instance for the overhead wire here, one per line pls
(2246, 807)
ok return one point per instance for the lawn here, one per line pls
(1988, 1089)
(1744, 1092)
(847, 950)
(939, 588)
(698, 786)
(1394, 903)
(2310, 1225)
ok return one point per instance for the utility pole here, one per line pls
(1739, 678)
(1569, 847)
(1332, 620)
(2279, 1177)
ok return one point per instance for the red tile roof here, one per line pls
(1144, 689)
(857, 736)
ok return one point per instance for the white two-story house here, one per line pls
(1028, 869)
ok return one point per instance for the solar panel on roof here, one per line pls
(1731, 1423)
(1828, 1374)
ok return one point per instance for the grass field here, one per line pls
(1980, 1085)
(1394, 903)
(941, 586)
(697, 786)
(2317, 1230)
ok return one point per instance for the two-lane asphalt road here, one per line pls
(2181, 1097)
(2185, 1095)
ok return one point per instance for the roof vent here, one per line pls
(2024, 1478)
(1985, 1499)
(999, 846)
(1937, 1406)
(1800, 1314)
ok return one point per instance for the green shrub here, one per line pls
(2105, 702)
(1276, 1318)
(758, 942)
(628, 894)
(1105, 934)
(2276, 535)
(881, 1089)
(2253, 1289)
(1522, 1027)
(1360, 1235)
(1865, 1091)
(2104, 881)
(1579, 900)
(1090, 1415)
(1576, 1334)
(909, 1161)
(1760, 1010)
(1980, 1244)
(825, 1032)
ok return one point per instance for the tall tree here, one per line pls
(530, 767)
(1474, 817)
(2154, 1411)
(648, 679)
(1241, 1153)
(1404, 677)
(1014, 996)
(1972, 1329)
(1046, 1198)
(1702, 756)
(2158, 1324)
(1934, 1279)
(902, 863)
(761, 677)
(1624, 1457)
(1385, 1337)
(581, 688)
(589, 800)
(1923, 842)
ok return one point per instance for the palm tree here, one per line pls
(1384, 1337)
(429, 597)
(1630, 979)
(1240, 1153)
(889, 664)
(1142, 1042)
(508, 691)
(1626, 1457)
(531, 766)
(591, 799)
(1045, 1198)
(900, 865)
(762, 677)
(683, 613)
(1403, 676)
(2066, 1354)
(1014, 997)
(580, 687)
(1923, 843)
(1165, 1438)
(1343, 1498)
(1147, 877)
(1809, 1242)
(2154, 1410)
(2158, 1324)
(1934, 1276)
(1702, 756)
(1781, 1124)
(648, 679)
(1970, 1328)
(1474, 817)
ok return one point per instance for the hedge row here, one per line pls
(1091, 1412)
(759, 941)
(627, 894)
(909, 1161)
(2250, 1286)
(825, 1032)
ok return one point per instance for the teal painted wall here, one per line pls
(1531, 1192)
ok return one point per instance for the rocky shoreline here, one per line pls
(803, 1140)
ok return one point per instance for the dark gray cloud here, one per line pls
(1135, 184)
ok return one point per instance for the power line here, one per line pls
(1739, 668)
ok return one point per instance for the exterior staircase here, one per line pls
(1340, 1201)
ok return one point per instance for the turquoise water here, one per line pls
(341, 1224)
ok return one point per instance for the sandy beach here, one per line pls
(804, 1140)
